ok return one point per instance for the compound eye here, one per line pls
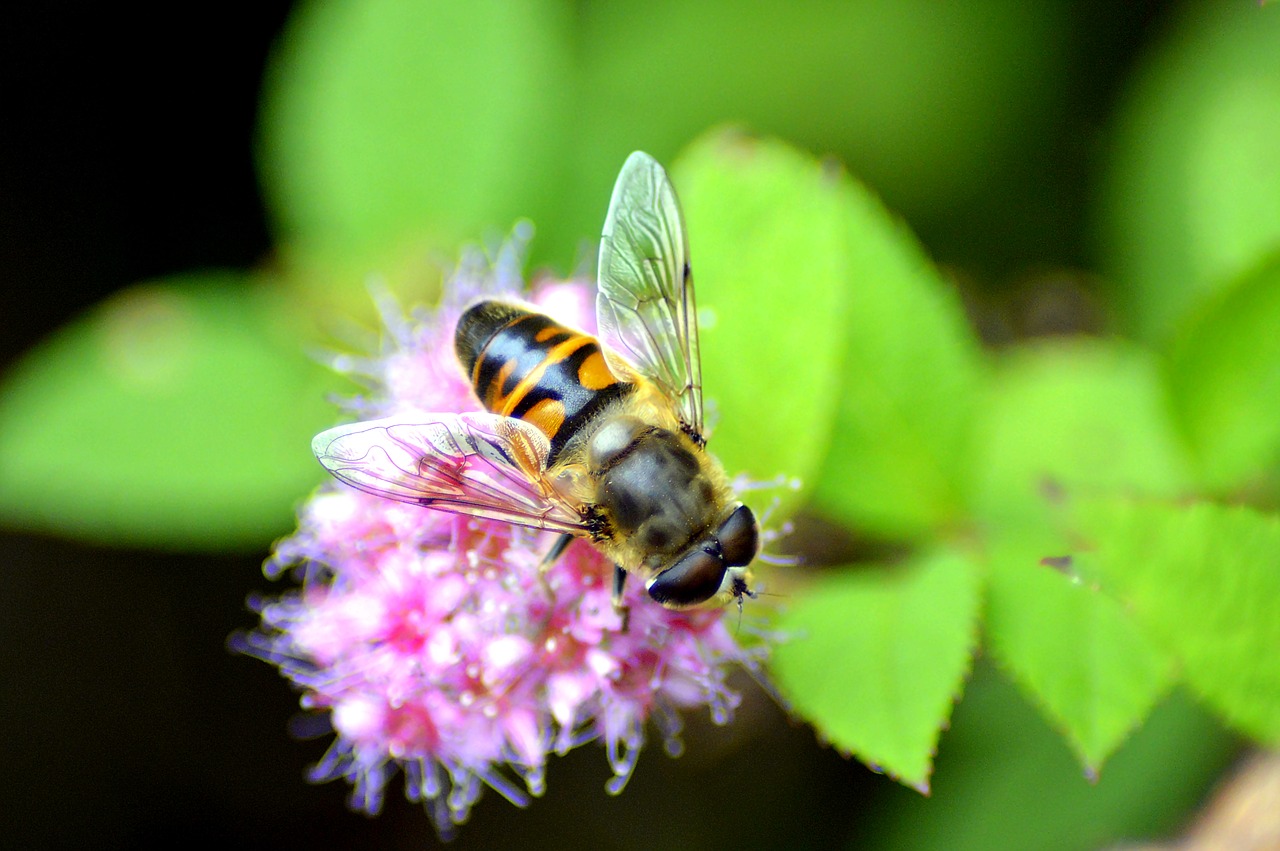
(739, 537)
(694, 579)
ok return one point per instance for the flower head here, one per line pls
(435, 643)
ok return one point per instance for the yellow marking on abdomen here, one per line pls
(594, 372)
(554, 355)
(547, 416)
(493, 395)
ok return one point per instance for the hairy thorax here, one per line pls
(655, 487)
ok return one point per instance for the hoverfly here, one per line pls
(600, 442)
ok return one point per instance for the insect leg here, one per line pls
(557, 549)
(619, 584)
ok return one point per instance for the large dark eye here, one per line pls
(694, 579)
(739, 537)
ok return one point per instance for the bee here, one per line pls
(603, 441)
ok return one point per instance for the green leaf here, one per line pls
(878, 656)
(1076, 651)
(385, 121)
(1003, 780)
(1204, 581)
(1224, 378)
(1072, 416)
(1061, 418)
(178, 414)
(769, 259)
(911, 374)
(864, 81)
(1193, 197)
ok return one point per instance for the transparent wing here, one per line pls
(645, 307)
(479, 464)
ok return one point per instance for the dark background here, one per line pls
(126, 153)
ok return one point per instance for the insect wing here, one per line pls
(479, 464)
(645, 307)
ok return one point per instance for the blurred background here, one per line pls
(1040, 152)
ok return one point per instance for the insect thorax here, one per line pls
(657, 488)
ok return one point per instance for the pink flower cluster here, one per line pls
(435, 644)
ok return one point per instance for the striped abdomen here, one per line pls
(526, 365)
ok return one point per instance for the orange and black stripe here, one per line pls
(524, 364)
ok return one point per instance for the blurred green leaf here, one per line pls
(1193, 196)
(1075, 650)
(1078, 415)
(906, 93)
(1005, 781)
(877, 656)
(898, 463)
(769, 259)
(383, 120)
(1062, 418)
(1224, 378)
(1204, 581)
(178, 414)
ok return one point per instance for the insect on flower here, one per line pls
(599, 439)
